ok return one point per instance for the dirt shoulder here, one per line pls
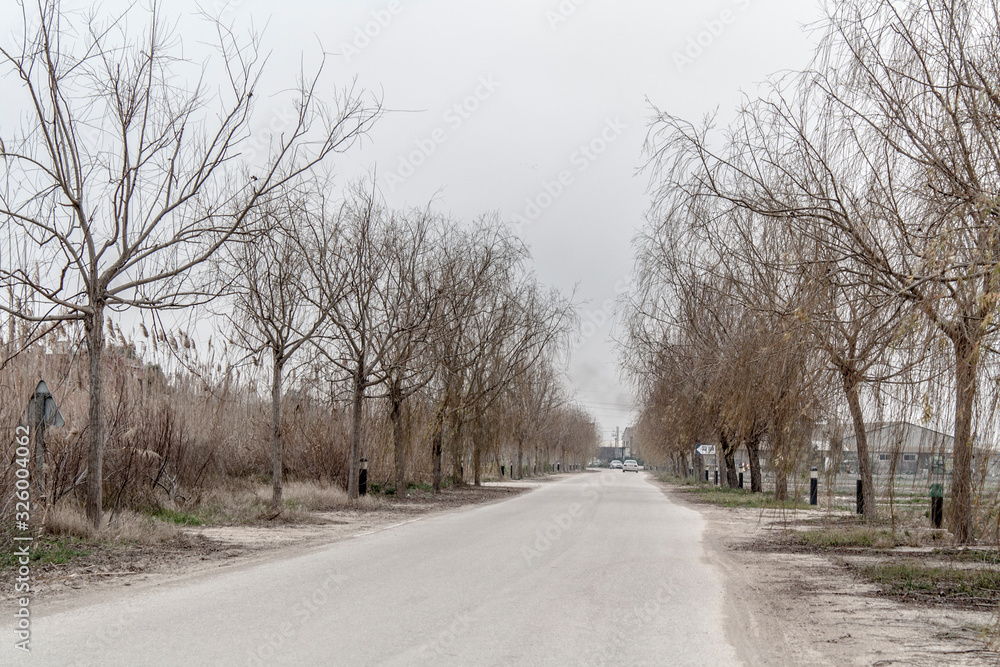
(97, 569)
(795, 606)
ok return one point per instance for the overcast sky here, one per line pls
(536, 109)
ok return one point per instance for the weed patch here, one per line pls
(739, 498)
(913, 579)
(848, 537)
(47, 550)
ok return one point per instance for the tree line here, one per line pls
(128, 193)
(832, 249)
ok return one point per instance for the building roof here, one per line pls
(904, 437)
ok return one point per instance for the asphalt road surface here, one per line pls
(597, 568)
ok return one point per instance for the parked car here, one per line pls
(616, 464)
(630, 465)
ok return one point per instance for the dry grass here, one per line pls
(68, 520)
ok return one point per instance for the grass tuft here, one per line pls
(908, 578)
(739, 498)
(57, 550)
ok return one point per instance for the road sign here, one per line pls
(50, 415)
(705, 450)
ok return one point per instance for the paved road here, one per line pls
(594, 569)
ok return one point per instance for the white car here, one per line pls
(631, 465)
(616, 464)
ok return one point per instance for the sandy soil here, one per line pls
(800, 607)
(201, 550)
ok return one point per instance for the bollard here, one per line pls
(813, 486)
(861, 499)
(937, 504)
(741, 480)
(363, 478)
(706, 475)
(503, 470)
(716, 476)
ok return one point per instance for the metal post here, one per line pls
(741, 480)
(937, 504)
(363, 477)
(813, 486)
(716, 476)
(38, 424)
(861, 499)
(706, 475)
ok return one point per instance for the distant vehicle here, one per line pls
(631, 465)
(616, 464)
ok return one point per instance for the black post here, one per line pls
(363, 478)
(813, 486)
(716, 476)
(937, 504)
(861, 499)
(741, 480)
(706, 475)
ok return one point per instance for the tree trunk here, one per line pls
(437, 448)
(520, 457)
(477, 436)
(457, 449)
(753, 453)
(398, 442)
(476, 478)
(861, 438)
(729, 457)
(355, 462)
(276, 449)
(94, 327)
(780, 484)
(960, 507)
(779, 461)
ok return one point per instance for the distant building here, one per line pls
(628, 442)
(608, 454)
(916, 449)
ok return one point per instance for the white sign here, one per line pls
(705, 450)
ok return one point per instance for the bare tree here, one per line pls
(382, 318)
(474, 265)
(884, 155)
(407, 365)
(273, 306)
(119, 184)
